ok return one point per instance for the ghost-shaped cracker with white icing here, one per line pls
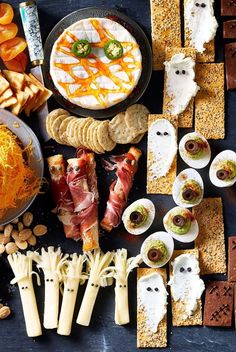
(180, 82)
(162, 144)
(201, 22)
(186, 285)
(152, 296)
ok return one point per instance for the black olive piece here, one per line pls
(179, 220)
(136, 217)
(149, 289)
(77, 168)
(156, 289)
(68, 290)
(177, 72)
(72, 290)
(124, 285)
(51, 280)
(203, 5)
(22, 287)
(128, 161)
(120, 286)
(96, 285)
(192, 147)
(47, 280)
(92, 284)
(52, 169)
(189, 269)
(158, 133)
(188, 194)
(166, 134)
(70, 169)
(183, 72)
(154, 254)
(181, 269)
(197, 4)
(222, 174)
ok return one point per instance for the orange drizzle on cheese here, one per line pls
(64, 46)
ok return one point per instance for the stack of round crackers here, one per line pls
(96, 135)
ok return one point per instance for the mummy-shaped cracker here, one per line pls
(186, 285)
(201, 22)
(180, 84)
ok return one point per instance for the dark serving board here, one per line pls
(103, 335)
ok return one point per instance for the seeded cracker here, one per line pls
(166, 29)
(178, 307)
(209, 102)
(185, 119)
(162, 185)
(210, 241)
(146, 338)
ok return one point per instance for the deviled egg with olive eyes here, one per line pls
(223, 169)
(157, 249)
(139, 216)
(181, 224)
(195, 150)
(188, 188)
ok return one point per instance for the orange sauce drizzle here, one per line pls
(102, 69)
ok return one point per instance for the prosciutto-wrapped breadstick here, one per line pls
(62, 196)
(126, 166)
(82, 182)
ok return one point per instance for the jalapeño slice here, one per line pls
(113, 49)
(81, 48)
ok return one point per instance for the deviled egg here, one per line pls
(181, 224)
(195, 150)
(157, 249)
(139, 216)
(188, 188)
(223, 169)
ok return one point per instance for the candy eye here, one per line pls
(158, 133)
(189, 269)
(183, 72)
(177, 72)
(156, 289)
(149, 289)
(128, 161)
(203, 5)
(181, 269)
(166, 134)
(197, 4)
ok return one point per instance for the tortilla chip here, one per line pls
(4, 84)
(15, 79)
(6, 95)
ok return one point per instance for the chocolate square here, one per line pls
(232, 259)
(230, 65)
(228, 7)
(229, 29)
(218, 308)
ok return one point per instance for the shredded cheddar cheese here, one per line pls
(17, 179)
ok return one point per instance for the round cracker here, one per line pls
(68, 134)
(103, 136)
(98, 147)
(62, 129)
(137, 139)
(89, 137)
(84, 131)
(51, 117)
(136, 118)
(72, 132)
(78, 127)
(55, 126)
(76, 139)
(119, 131)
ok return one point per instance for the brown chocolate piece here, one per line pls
(218, 308)
(229, 29)
(228, 7)
(232, 259)
(230, 65)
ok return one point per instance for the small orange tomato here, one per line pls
(6, 13)
(18, 64)
(7, 31)
(11, 48)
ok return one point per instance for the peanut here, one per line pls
(27, 218)
(22, 244)
(11, 248)
(4, 312)
(4, 239)
(7, 230)
(20, 226)
(25, 234)
(40, 230)
(32, 240)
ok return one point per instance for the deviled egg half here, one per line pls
(223, 169)
(188, 188)
(181, 224)
(157, 249)
(139, 216)
(195, 150)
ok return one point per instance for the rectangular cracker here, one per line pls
(162, 185)
(185, 119)
(145, 337)
(209, 54)
(166, 29)
(177, 307)
(210, 241)
(232, 259)
(210, 102)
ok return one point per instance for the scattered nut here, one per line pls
(25, 234)
(15, 221)
(4, 239)
(2, 248)
(4, 312)
(32, 240)
(40, 230)
(27, 218)
(11, 248)
(22, 244)
(20, 226)
(15, 235)
(7, 230)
